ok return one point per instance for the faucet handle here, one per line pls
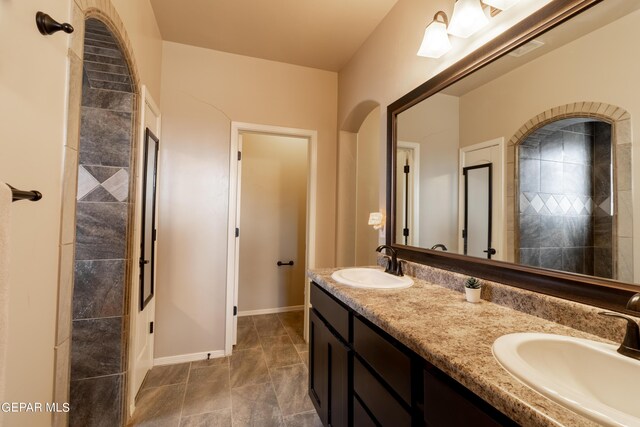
(399, 270)
(634, 302)
(631, 342)
(387, 267)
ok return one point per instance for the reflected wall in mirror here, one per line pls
(554, 118)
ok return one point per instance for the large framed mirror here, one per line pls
(515, 164)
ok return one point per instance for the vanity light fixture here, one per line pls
(435, 42)
(500, 4)
(468, 17)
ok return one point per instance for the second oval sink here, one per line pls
(370, 278)
(588, 377)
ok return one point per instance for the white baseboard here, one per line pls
(184, 358)
(270, 310)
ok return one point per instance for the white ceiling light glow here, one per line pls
(435, 42)
(500, 4)
(468, 17)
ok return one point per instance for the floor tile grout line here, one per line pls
(184, 395)
(273, 386)
(230, 389)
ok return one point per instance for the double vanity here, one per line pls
(416, 353)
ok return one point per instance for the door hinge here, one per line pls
(464, 234)
(239, 155)
(237, 232)
(235, 310)
(405, 232)
(154, 234)
(150, 327)
(407, 168)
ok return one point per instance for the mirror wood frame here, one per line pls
(605, 293)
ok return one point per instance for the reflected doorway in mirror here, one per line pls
(481, 200)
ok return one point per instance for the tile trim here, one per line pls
(105, 12)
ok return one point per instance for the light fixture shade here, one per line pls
(501, 4)
(435, 42)
(468, 17)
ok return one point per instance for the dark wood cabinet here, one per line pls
(442, 394)
(328, 373)
(361, 376)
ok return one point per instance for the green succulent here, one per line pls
(472, 283)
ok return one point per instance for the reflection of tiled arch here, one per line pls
(104, 11)
(620, 119)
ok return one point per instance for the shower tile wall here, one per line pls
(565, 198)
(98, 364)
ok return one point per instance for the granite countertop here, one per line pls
(456, 337)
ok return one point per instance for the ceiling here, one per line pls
(321, 34)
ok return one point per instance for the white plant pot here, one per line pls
(473, 295)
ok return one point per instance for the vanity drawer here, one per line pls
(448, 403)
(385, 408)
(335, 314)
(388, 361)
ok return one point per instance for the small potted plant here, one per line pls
(472, 289)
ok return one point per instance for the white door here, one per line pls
(272, 179)
(141, 354)
(473, 159)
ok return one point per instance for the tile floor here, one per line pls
(263, 383)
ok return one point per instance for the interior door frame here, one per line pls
(415, 215)
(237, 129)
(136, 315)
(465, 234)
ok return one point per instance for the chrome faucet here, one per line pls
(439, 246)
(393, 265)
(630, 346)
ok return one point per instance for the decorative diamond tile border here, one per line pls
(559, 204)
(116, 184)
(86, 182)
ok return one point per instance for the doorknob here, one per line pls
(490, 251)
(143, 262)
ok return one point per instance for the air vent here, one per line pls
(524, 49)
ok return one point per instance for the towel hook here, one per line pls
(47, 25)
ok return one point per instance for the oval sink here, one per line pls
(588, 377)
(370, 278)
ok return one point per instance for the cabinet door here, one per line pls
(338, 363)
(318, 366)
(328, 374)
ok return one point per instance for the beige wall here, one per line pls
(273, 221)
(386, 66)
(434, 124)
(367, 193)
(34, 110)
(346, 202)
(33, 92)
(600, 67)
(202, 92)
